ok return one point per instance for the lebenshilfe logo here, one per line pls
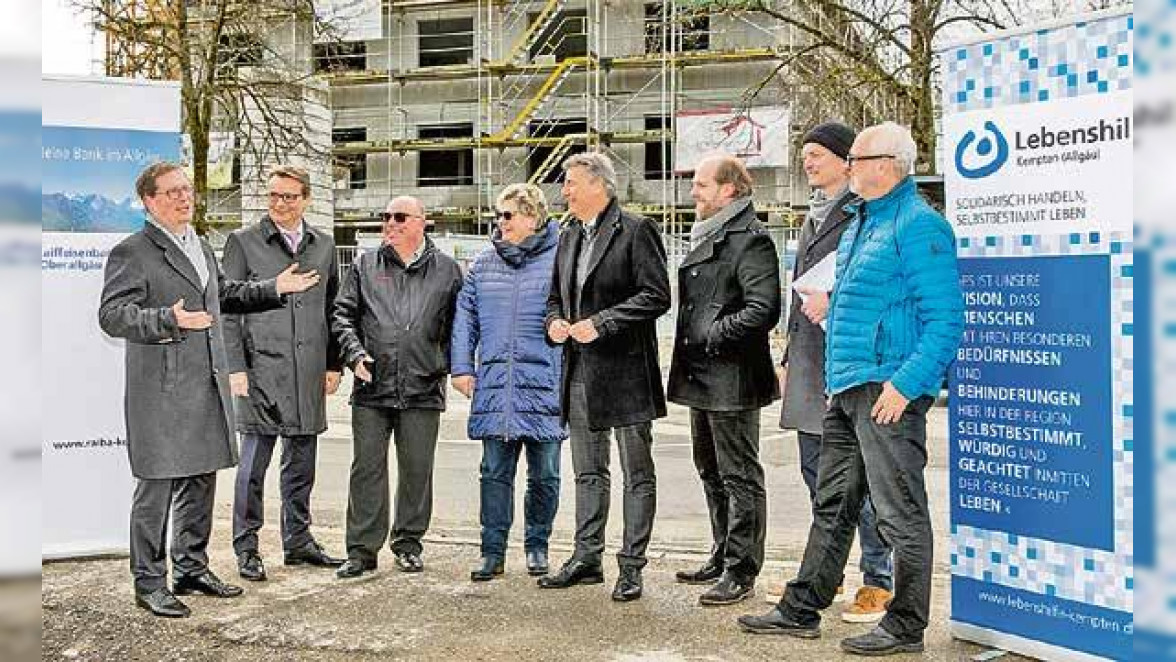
(993, 150)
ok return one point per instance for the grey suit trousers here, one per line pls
(590, 461)
(189, 501)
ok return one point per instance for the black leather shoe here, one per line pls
(628, 586)
(728, 591)
(163, 603)
(707, 574)
(573, 572)
(311, 553)
(206, 584)
(776, 622)
(409, 561)
(537, 563)
(879, 642)
(250, 567)
(354, 567)
(489, 569)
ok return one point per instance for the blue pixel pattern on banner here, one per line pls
(1045, 65)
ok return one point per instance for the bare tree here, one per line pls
(854, 49)
(883, 49)
(233, 74)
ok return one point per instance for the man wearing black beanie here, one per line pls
(824, 150)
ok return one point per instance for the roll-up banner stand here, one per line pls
(97, 135)
(1037, 167)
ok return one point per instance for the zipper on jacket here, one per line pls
(514, 315)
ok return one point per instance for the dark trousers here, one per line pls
(415, 435)
(299, 454)
(590, 461)
(500, 458)
(875, 563)
(726, 454)
(189, 500)
(857, 456)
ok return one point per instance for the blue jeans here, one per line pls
(876, 562)
(499, 461)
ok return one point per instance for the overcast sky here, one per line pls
(67, 44)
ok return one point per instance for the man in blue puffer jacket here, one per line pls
(895, 321)
(500, 357)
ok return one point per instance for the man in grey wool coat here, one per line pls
(164, 294)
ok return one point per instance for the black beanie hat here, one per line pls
(833, 136)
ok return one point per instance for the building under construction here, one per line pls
(457, 99)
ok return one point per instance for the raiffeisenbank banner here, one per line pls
(97, 134)
(1038, 175)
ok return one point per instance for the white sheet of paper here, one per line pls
(820, 277)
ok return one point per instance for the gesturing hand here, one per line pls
(192, 321)
(289, 282)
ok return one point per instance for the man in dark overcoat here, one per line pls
(609, 286)
(164, 294)
(283, 363)
(728, 303)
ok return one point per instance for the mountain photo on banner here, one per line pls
(88, 177)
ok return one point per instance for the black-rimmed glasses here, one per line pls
(287, 198)
(853, 158)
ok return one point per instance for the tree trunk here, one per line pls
(923, 95)
(200, 179)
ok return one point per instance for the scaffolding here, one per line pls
(548, 78)
(500, 92)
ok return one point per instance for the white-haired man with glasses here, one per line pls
(894, 323)
(392, 320)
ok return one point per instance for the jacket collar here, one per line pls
(387, 255)
(903, 190)
(842, 211)
(706, 249)
(608, 224)
(173, 254)
(270, 229)
(517, 254)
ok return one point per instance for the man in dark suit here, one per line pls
(164, 293)
(609, 286)
(728, 303)
(283, 364)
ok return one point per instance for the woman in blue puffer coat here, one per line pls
(501, 359)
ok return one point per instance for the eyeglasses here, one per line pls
(503, 215)
(398, 216)
(852, 158)
(287, 198)
(178, 193)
